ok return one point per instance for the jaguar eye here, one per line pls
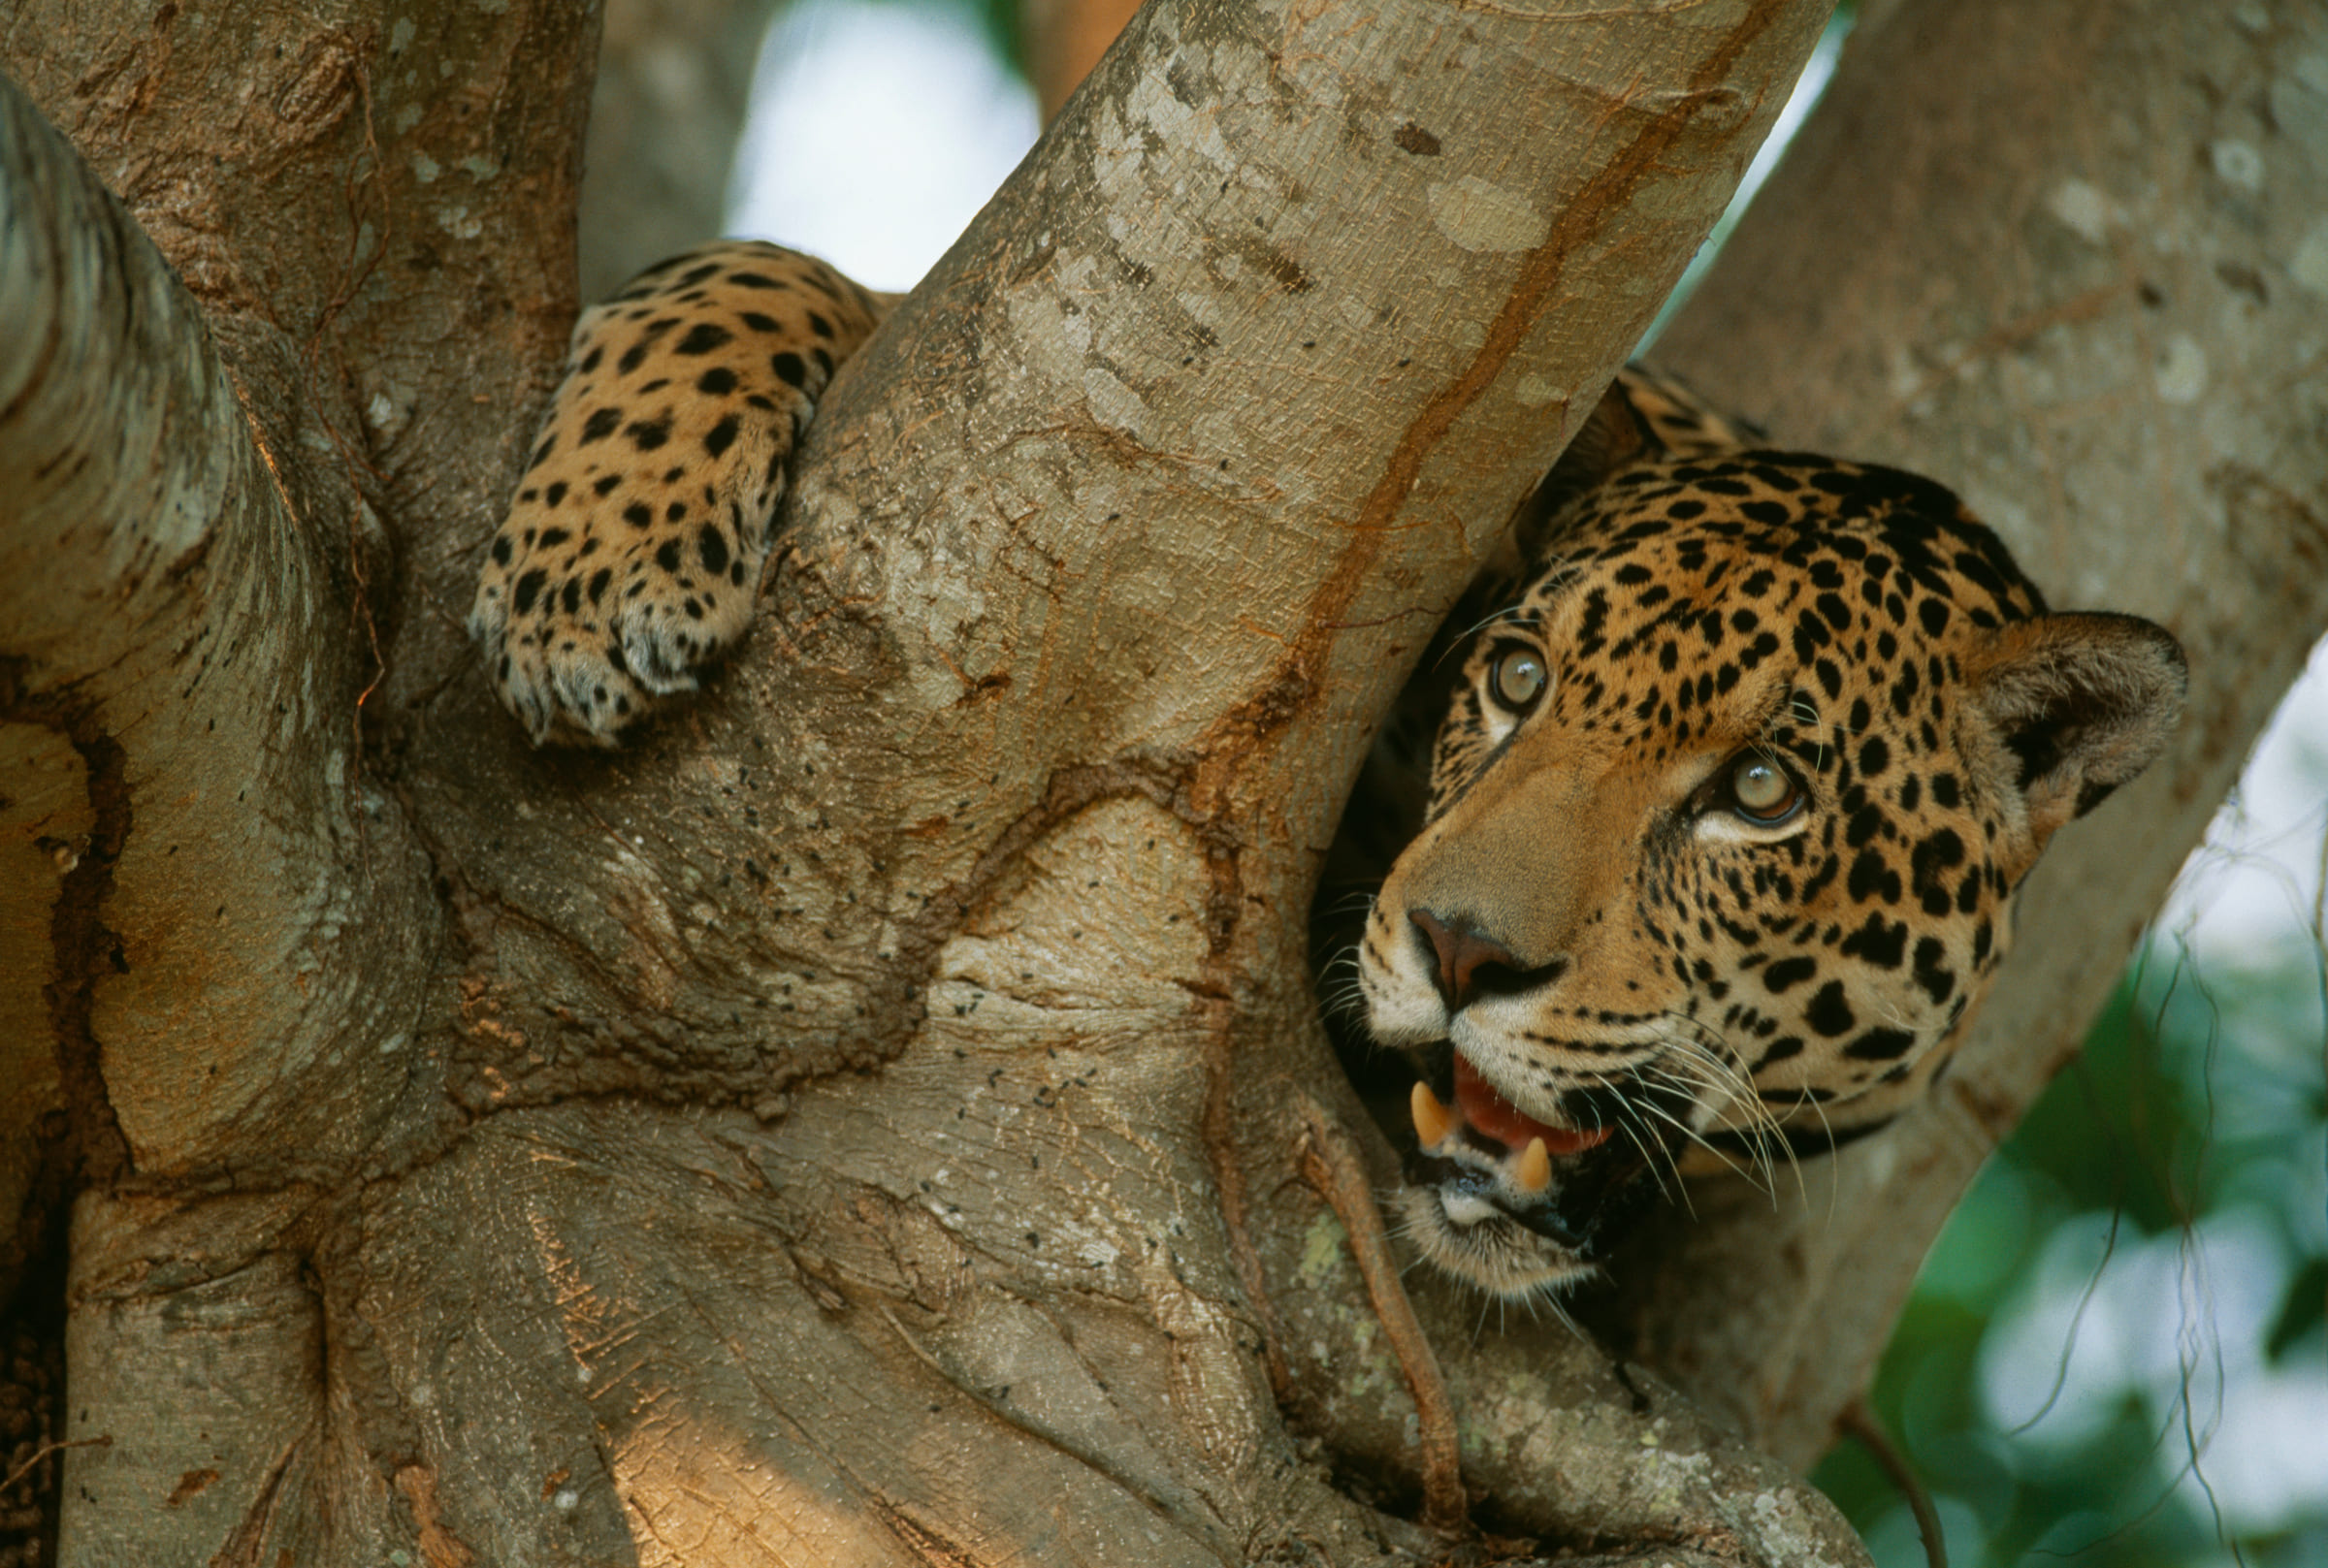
(1761, 791)
(1518, 677)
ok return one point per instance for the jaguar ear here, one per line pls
(2084, 702)
(1612, 435)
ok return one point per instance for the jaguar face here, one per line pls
(1724, 822)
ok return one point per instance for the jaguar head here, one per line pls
(1726, 819)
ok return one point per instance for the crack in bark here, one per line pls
(1602, 201)
(892, 1007)
(920, 1539)
(416, 1484)
(82, 1146)
(90, 1150)
(998, 1405)
(243, 1543)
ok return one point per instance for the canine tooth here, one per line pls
(1432, 1121)
(1535, 1167)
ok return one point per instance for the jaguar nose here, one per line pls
(1467, 964)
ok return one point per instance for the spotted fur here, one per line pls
(633, 551)
(1725, 820)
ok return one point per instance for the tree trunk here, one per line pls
(881, 1118)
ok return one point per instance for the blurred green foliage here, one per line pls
(2172, 1178)
(998, 19)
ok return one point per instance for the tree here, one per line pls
(882, 1118)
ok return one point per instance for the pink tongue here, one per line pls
(1499, 1119)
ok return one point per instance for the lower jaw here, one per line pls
(1496, 1254)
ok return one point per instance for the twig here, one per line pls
(1858, 1424)
(1330, 1164)
(47, 1449)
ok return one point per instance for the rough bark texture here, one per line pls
(881, 1119)
(866, 1124)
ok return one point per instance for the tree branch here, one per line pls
(1021, 791)
(167, 616)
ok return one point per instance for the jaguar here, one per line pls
(1743, 760)
(1738, 758)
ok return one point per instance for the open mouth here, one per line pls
(1486, 1161)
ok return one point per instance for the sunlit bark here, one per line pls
(882, 1117)
(907, 1057)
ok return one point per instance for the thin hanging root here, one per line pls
(1330, 1164)
(48, 1448)
(1858, 1424)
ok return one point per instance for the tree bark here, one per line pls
(882, 1118)
(867, 1121)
